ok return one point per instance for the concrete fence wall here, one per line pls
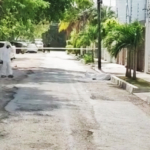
(147, 46)
(121, 58)
(107, 57)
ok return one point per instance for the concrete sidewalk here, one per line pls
(116, 69)
(119, 70)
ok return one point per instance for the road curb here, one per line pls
(121, 83)
(148, 99)
(124, 85)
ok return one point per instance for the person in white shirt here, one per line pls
(6, 58)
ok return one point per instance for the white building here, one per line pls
(131, 10)
(147, 44)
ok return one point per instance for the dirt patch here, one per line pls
(40, 145)
(96, 96)
(109, 92)
(8, 89)
(6, 95)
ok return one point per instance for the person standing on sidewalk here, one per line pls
(6, 58)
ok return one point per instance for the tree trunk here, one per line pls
(92, 55)
(130, 63)
(128, 67)
(92, 48)
(135, 64)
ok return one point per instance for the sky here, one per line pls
(108, 2)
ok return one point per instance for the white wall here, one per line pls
(133, 8)
(147, 42)
(107, 57)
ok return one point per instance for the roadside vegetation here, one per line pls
(140, 83)
(128, 36)
(82, 32)
(28, 19)
(82, 29)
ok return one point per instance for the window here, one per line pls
(1, 45)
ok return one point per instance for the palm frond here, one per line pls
(123, 36)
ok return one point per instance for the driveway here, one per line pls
(58, 107)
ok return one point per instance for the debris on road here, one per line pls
(98, 76)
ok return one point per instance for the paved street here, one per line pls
(58, 107)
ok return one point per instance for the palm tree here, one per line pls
(127, 36)
(82, 17)
(76, 17)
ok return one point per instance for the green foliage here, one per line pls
(56, 9)
(18, 18)
(54, 38)
(128, 36)
(82, 25)
(76, 16)
(107, 13)
(124, 36)
(108, 26)
(84, 37)
(69, 51)
(82, 40)
(88, 58)
(29, 18)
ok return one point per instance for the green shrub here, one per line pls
(69, 50)
(88, 58)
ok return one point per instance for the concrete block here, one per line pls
(148, 100)
(144, 96)
(123, 84)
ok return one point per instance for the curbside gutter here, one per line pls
(148, 99)
(125, 85)
(121, 83)
(128, 87)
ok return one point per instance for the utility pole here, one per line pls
(131, 7)
(127, 11)
(99, 2)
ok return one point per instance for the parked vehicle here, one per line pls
(13, 54)
(20, 45)
(3, 44)
(32, 48)
(39, 45)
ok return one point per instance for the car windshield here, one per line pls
(1, 45)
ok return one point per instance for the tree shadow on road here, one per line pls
(31, 99)
(55, 75)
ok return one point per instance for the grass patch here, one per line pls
(88, 58)
(138, 82)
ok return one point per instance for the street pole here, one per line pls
(99, 2)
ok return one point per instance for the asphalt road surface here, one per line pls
(57, 107)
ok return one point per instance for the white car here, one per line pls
(32, 48)
(39, 44)
(13, 49)
(13, 54)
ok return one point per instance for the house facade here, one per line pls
(130, 10)
(147, 41)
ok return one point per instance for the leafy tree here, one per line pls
(83, 17)
(18, 17)
(127, 36)
(21, 18)
(76, 16)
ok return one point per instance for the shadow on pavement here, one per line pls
(55, 75)
(31, 99)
